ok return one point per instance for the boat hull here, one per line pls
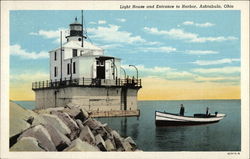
(174, 123)
(168, 119)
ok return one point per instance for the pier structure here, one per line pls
(80, 73)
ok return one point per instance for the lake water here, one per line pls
(222, 136)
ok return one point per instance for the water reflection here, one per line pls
(170, 137)
(135, 131)
(221, 136)
(124, 126)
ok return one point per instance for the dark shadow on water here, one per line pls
(124, 126)
(135, 130)
(168, 138)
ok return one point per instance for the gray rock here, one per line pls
(91, 123)
(26, 144)
(100, 143)
(100, 124)
(73, 112)
(126, 145)
(109, 145)
(71, 105)
(79, 123)
(131, 141)
(115, 134)
(38, 120)
(86, 135)
(72, 125)
(57, 123)
(18, 119)
(108, 129)
(60, 140)
(102, 132)
(79, 145)
(117, 139)
(42, 135)
(67, 120)
(84, 112)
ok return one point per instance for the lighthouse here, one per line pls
(80, 73)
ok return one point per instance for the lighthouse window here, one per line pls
(55, 71)
(55, 56)
(74, 52)
(101, 63)
(68, 68)
(74, 67)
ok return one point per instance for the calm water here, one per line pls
(222, 136)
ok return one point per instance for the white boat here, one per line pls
(169, 119)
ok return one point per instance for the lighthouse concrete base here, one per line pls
(100, 100)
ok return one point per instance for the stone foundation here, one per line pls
(103, 101)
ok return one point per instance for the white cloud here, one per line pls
(188, 23)
(110, 46)
(102, 22)
(206, 24)
(92, 22)
(187, 36)
(174, 74)
(153, 43)
(201, 52)
(112, 33)
(162, 72)
(164, 49)
(223, 70)
(16, 50)
(142, 68)
(215, 62)
(121, 19)
(52, 34)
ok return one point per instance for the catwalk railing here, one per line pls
(94, 82)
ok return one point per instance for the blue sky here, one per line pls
(198, 46)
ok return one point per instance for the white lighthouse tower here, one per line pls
(78, 58)
(80, 73)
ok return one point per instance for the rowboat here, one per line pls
(170, 119)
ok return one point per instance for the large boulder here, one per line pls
(131, 142)
(92, 123)
(84, 113)
(60, 140)
(109, 145)
(79, 145)
(71, 124)
(71, 105)
(42, 135)
(19, 118)
(108, 129)
(87, 135)
(53, 120)
(117, 139)
(100, 143)
(26, 144)
(126, 146)
(73, 112)
(79, 123)
(102, 131)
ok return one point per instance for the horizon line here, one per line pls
(151, 99)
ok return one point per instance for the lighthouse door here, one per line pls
(100, 69)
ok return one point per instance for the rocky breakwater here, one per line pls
(69, 128)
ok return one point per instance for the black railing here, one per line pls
(128, 82)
